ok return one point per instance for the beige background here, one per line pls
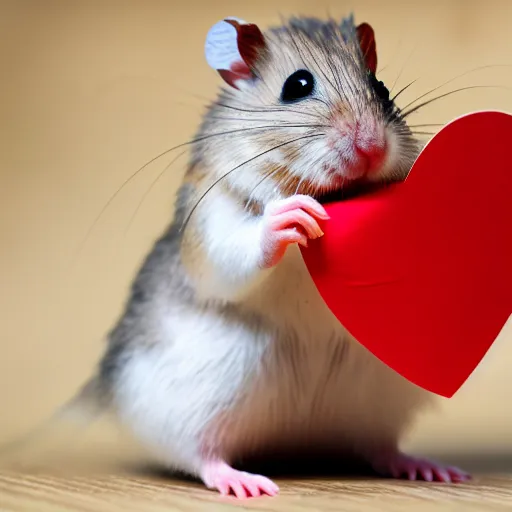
(91, 90)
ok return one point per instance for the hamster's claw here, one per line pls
(288, 221)
(400, 465)
(221, 476)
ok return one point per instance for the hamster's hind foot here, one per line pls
(221, 476)
(401, 465)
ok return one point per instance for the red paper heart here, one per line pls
(420, 273)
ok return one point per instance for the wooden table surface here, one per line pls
(41, 492)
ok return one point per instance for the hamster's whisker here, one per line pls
(268, 174)
(403, 89)
(252, 129)
(479, 68)
(403, 66)
(265, 111)
(425, 125)
(225, 175)
(166, 152)
(405, 130)
(250, 109)
(115, 194)
(311, 165)
(150, 188)
(427, 102)
(275, 171)
(277, 123)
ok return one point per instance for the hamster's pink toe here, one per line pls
(400, 465)
(243, 485)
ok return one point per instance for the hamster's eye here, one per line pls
(299, 85)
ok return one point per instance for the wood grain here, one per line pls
(117, 492)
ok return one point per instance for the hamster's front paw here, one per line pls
(289, 221)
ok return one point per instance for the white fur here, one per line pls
(218, 386)
(232, 240)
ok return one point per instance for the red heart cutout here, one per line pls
(420, 272)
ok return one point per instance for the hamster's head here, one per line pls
(304, 111)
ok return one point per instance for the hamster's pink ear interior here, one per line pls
(232, 47)
(366, 37)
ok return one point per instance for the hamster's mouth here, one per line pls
(350, 190)
(344, 185)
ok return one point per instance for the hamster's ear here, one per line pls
(232, 47)
(366, 38)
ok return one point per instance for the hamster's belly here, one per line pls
(317, 386)
(328, 395)
(289, 378)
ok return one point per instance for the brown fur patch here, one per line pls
(287, 181)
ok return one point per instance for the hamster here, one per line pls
(225, 351)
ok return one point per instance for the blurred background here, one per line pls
(91, 90)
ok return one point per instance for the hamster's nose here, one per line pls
(370, 145)
(374, 154)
